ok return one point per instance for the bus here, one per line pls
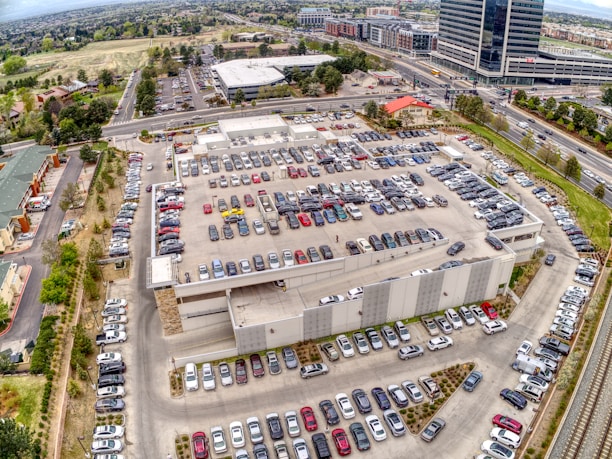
(435, 72)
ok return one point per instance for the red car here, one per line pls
(489, 310)
(170, 206)
(342, 444)
(292, 171)
(327, 203)
(507, 423)
(257, 365)
(207, 208)
(200, 448)
(321, 128)
(261, 192)
(249, 201)
(300, 257)
(360, 157)
(168, 229)
(304, 219)
(310, 422)
(255, 178)
(241, 372)
(302, 172)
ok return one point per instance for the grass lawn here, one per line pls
(20, 397)
(593, 216)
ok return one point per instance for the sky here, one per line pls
(19, 9)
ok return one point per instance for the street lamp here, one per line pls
(174, 365)
(93, 385)
(80, 439)
(24, 262)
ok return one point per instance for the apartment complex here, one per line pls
(312, 18)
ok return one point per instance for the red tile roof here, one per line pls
(399, 104)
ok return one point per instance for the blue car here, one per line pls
(317, 218)
(390, 161)
(329, 216)
(377, 208)
(417, 159)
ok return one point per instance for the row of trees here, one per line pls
(571, 115)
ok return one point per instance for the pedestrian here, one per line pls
(169, 456)
(337, 239)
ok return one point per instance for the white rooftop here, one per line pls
(252, 123)
(259, 72)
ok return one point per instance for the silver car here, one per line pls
(395, 423)
(361, 343)
(413, 391)
(389, 336)
(226, 374)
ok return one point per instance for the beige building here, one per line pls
(11, 282)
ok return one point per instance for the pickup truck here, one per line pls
(111, 337)
(353, 211)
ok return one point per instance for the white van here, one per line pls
(191, 377)
(208, 377)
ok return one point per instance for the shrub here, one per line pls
(45, 346)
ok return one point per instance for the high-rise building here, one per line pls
(480, 36)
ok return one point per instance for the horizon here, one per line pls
(30, 9)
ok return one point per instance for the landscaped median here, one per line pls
(592, 215)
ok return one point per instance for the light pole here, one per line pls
(174, 365)
(24, 262)
(93, 385)
(80, 439)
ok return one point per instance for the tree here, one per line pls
(6, 366)
(14, 64)
(332, 80)
(500, 123)
(301, 49)
(47, 44)
(88, 154)
(16, 440)
(106, 77)
(264, 49)
(606, 97)
(5, 318)
(335, 47)
(609, 133)
(527, 141)
(590, 120)
(82, 75)
(578, 117)
(50, 251)
(550, 104)
(71, 196)
(520, 96)
(239, 96)
(7, 102)
(94, 132)
(561, 111)
(371, 109)
(27, 98)
(599, 191)
(572, 168)
(549, 154)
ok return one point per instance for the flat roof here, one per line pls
(239, 125)
(253, 72)
(161, 272)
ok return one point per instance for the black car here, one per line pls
(494, 242)
(326, 252)
(359, 436)
(231, 268)
(381, 398)
(352, 248)
(329, 412)
(228, 233)
(213, 233)
(292, 220)
(321, 446)
(376, 242)
(274, 426)
(167, 237)
(260, 451)
(113, 368)
(258, 262)
(514, 398)
(362, 401)
(110, 380)
(455, 248)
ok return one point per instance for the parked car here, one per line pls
(472, 381)
(439, 342)
(433, 429)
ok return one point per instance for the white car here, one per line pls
(111, 311)
(467, 316)
(259, 228)
(225, 374)
(439, 342)
(494, 326)
(115, 302)
(361, 343)
(191, 377)
(106, 446)
(346, 408)
(287, 257)
(536, 381)
(390, 337)
(108, 431)
(108, 357)
(345, 346)
(245, 266)
(273, 260)
(237, 434)
(203, 272)
(293, 426)
(505, 437)
(115, 319)
(584, 280)
(402, 331)
(254, 430)
(567, 314)
(524, 348)
(110, 391)
(355, 293)
(575, 290)
(479, 314)
(376, 428)
(114, 327)
(208, 377)
(453, 318)
(218, 439)
(331, 299)
(496, 450)
(413, 391)
(565, 321)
